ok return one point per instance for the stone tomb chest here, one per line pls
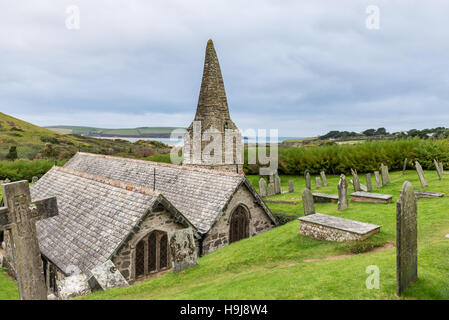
(361, 196)
(323, 227)
(324, 197)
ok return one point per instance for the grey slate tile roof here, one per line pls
(199, 194)
(95, 217)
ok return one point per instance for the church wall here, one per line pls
(125, 259)
(259, 222)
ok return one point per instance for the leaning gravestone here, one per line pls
(323, 177)
(277, 184)
(19, 217)
(291, 186)
(406, 238)
(307, 202)
(377, 178)
(307, 178)
(369, 186)
(404, 167)
(262, 187)
(437, 167)
(385, 175)
(342, 193)
(420, 172)
(355, 180)
(441, 167)
(317, 182)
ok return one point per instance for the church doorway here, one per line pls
(152, 254)
(239, 224)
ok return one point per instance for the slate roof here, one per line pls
(199, 194)
(95, 216)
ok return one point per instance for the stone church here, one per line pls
(147, 218)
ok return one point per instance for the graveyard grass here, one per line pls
(281, 264)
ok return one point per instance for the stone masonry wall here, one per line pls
(325, 233)
(124, 260)
(259, 222)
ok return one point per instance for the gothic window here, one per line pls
(152, 254)
(239, 224)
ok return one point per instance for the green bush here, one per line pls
(25, 169)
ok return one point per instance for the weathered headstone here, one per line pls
(271, 188)
(369, 185)
(262, 187)
(317, 182)
(406, 238)
(385, 175)
(307, 178)
(34, 179)
(377, 178)
(19, 217)
(355, 180)
(342, 193)
(323, 177)
(437, 168)
(108, 276)
(420, 172)
(307, 202)
(277, 184)
(404, 167)
(291, 186)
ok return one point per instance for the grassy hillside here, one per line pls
(281, 264)
(126, 132)
(35, 142)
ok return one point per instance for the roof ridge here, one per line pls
(168, 165)
(111, 182)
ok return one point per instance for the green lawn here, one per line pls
(274, 265)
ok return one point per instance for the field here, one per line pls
(281, 264)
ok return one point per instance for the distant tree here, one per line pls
(12, 154)
(381, 131)
(369, 132)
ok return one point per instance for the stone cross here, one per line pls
(377, 178)
(385, 175)
(342, 193)
(355, 180)
(277, 184)
(291, 186)
(317, 182)
(437, 167)
(307, 202)
(323, 177)
(406, 238)
(369, 186)
(19, 217)
(262, 187)
(404, 167)
(307, 178)
(420, 172)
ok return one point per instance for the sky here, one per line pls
(302, 67)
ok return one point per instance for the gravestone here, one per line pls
(277, 184)
(441, 167)
(377, 178)
(323, 177)
(360, 196)
(34, 179)
(6, 181)
(369, 186)
(385, 175)
(342, 193)
(324, 197)
(404, 167)
(317, 182)
(406, 238)
(262, 187)
(307, 202)
(271, 188)
(19, 217)
(291, 186)
(307, 178)
(355, 180)
(437, 168)
(420, 172)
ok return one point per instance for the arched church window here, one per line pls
(152, 254)
(239, 225)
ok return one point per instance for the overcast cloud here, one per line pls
(305, 67)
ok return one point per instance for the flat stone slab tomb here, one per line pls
(324, 197)
(361, 196)
(427, 194)
(323, 227)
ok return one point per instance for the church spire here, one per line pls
(212, 102)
